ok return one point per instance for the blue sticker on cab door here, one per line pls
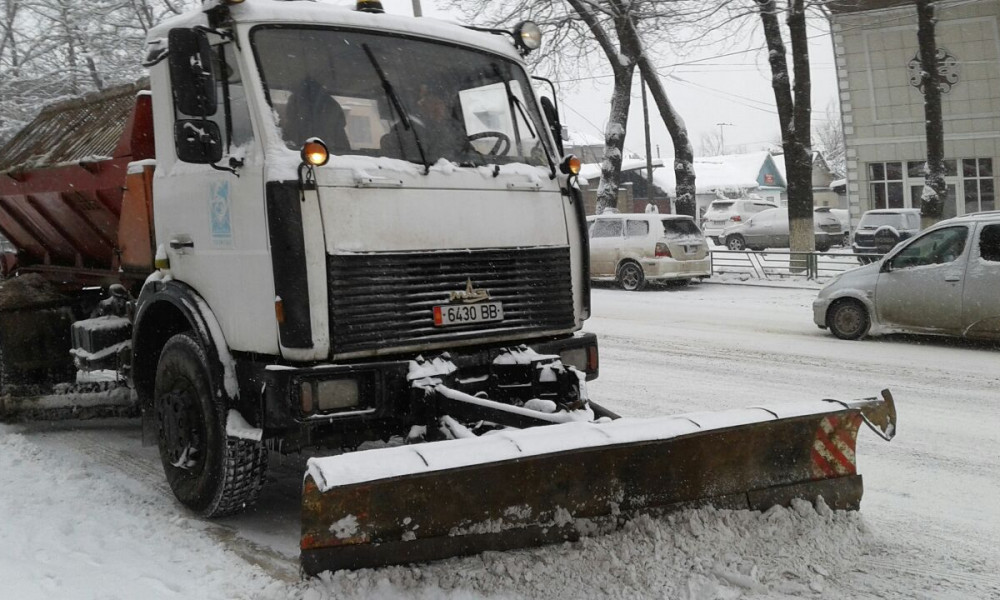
(220, 215)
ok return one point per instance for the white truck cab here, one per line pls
(339, 193)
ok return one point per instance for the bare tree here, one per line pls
(794, 113)
(935, 187)
(830, 139)
(711, 144)
(50, 49)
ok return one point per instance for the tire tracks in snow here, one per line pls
(118, 445)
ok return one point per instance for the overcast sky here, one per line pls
(730, 85)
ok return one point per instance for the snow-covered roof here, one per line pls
(579, 138)
(836, 183)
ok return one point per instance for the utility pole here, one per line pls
(649, 150)
(416, 9)
(722, 136)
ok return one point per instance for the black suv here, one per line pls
(880, 230)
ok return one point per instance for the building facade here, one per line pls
(878, 73)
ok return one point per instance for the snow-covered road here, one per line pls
(86, 513)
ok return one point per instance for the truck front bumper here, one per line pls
(345, 404)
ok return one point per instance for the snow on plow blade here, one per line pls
(554, 483)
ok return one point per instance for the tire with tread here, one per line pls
(221, 475)
(848, 319)
(631, 277)
(736, 242)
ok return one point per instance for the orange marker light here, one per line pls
(314, 152)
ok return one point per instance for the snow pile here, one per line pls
(697, 554)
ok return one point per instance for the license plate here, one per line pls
(458, 314)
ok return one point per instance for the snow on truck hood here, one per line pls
(392, 205)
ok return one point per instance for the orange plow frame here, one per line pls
(532, 487)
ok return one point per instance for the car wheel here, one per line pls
(208, 472)
(822, 248)
(736, 242)
(631, 277)
(848, 319)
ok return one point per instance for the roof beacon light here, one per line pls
(527, 36)
(369, 6)
(314, 152)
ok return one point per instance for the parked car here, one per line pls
(844, 216)
(633, 249)
(769, 229)
(723, 213)
(881, 229)
(942, 282)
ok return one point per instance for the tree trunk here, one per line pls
(935, 188)
(683, 154)
(614, 139)
(794, 115)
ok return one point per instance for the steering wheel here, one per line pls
(502, 145)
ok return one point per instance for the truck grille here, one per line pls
(385, 300)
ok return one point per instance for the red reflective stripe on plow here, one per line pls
(821, 468)
(832, 448)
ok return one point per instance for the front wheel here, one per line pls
(848, 319)
(631, 277)
(208, 472)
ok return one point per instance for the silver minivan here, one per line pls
(633, 249)
(944, 281)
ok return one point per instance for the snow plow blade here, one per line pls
(555, 483)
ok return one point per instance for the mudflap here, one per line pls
(554, 483)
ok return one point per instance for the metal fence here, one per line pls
(785, 264)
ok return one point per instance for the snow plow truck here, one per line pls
(314, 228)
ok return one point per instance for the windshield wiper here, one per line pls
(515, 101)
(390, 93)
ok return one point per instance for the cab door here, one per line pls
(605, 246)
(920, 288)
(210, 217)
(980, 301)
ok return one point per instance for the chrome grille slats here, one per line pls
(381, 301)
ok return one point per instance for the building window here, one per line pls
(886, 181)
(977, 177)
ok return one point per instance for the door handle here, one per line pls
(178, 244)
(953, 278)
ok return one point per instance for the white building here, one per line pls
(883, 114)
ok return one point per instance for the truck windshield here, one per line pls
(384, 95)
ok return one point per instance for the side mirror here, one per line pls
(191, 72)
(198, 141)
(552, 117)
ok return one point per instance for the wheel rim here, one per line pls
(848, 319)
(182, 434)
(736, 244)
(630, 277)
